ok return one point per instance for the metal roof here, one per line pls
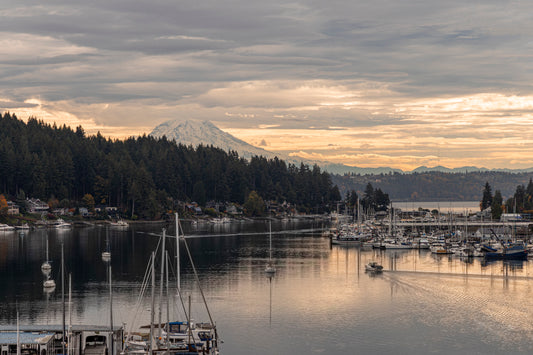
(25, 337)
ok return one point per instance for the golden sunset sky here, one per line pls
(372, 84)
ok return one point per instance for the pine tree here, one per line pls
(486, 202)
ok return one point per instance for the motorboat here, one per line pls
(24, 226)
(373, 266)
(119, 223)
(6, 228)
(60, 224)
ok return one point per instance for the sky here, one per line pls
(376, 83)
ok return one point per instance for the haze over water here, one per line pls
(319, 302)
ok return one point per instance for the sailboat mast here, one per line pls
(168, 305)
(111, 309)
(63, 294)
(178, 280)
(69, 314)
(18, 333)
(161, 283)
(270, 242)
(152, 316)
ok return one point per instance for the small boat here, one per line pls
(60, 224)
(106, 254)
(373, 266)
(24, 226)
(270, 269)
(6, 228)
(348, 239)
(119, 223)
(49, 283)
(517, 252)
(45, 266)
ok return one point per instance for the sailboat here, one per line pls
(178, 337)
(270, 269)
(106, 254)
(45, 266)
(49, 283)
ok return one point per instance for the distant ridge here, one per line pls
(194, 133)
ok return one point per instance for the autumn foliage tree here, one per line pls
(254, 205)
(3, 205)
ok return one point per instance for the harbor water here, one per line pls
(320, 300)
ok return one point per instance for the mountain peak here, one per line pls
(191, 132)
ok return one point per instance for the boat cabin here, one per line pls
(30, 343)
(47, 340)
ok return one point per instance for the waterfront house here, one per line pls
(35, 205)
(12, 208)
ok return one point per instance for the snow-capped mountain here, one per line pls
(204, 132)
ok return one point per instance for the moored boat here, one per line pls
(59, 224)
(119, 223)
(181, 337)
(6, 228)
(517, 252)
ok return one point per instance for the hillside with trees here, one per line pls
(520, 202)
(144, 176)
(434, 186)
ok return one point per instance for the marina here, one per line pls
(320, 300)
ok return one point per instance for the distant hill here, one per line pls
(435, 185)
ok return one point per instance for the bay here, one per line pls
(442, 206)
(320, 301)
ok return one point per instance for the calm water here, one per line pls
(442, 206)
(320, 301)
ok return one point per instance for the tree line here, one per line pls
(520, 202)
(434, 186)
(145, 176)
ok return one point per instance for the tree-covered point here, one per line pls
(144, 174)
(521, 202)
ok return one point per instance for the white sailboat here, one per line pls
(178, 337)
(270, 269)
(49, 283)
(106, 254)
(45, 266)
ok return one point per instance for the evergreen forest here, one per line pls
(145, 176)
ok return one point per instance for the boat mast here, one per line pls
(69, 314)
(161, 283)
(111, 309)
(18, 333)
(168, 305)
(178, 281)
(152, 316)
(63, 294)
(270, 243)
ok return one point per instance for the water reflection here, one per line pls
(320, 300)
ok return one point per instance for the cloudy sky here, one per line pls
(364, 83)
